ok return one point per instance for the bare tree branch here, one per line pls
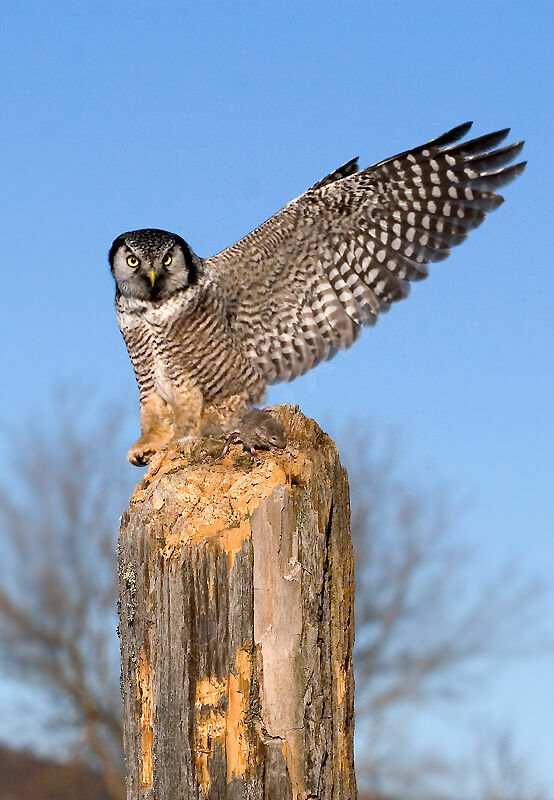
(428, 619)
(425, 617)
(58, 598)
(502, 772)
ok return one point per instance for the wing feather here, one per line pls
(301, 286)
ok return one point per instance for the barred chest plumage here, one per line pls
(187, 338)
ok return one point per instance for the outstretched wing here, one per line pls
(302, 285)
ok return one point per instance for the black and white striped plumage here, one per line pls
(301, 285)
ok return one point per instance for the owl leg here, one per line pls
(187, 404)
(223, 417)
(156, 424)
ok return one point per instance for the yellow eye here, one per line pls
(166, 260)
(133, 261)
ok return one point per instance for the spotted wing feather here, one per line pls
(342, 172)
(302, 285)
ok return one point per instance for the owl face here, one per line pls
(151, 264)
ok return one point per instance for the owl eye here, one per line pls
(166, 260)
(133, 261)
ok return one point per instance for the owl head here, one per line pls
(151, 264)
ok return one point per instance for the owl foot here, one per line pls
(143, 450)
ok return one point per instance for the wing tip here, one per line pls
(465, 127)
(516, 148)
(449, 137)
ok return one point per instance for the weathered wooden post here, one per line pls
(236, 624)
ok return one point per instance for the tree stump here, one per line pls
(236, 623)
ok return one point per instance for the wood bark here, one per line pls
(236, 623)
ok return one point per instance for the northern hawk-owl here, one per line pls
(207, 336)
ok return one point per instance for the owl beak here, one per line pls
(152, 275)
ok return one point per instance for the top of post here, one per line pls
(201, 495)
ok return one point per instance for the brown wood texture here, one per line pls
(236, 623)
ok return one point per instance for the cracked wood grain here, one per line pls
(236, 623)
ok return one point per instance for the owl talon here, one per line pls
(141, 454)
(228, 442)
(140, 459)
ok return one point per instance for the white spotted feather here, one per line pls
(301, 286)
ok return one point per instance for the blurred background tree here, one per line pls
(426, 626)
(431, 630)
(58, 601)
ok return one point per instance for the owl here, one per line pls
(206, 336)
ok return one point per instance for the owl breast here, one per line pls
(192, 342)
(163, 385)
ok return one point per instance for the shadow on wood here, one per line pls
(236, 623)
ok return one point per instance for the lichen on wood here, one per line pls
(236, 623)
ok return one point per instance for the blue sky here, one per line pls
(205, 118)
